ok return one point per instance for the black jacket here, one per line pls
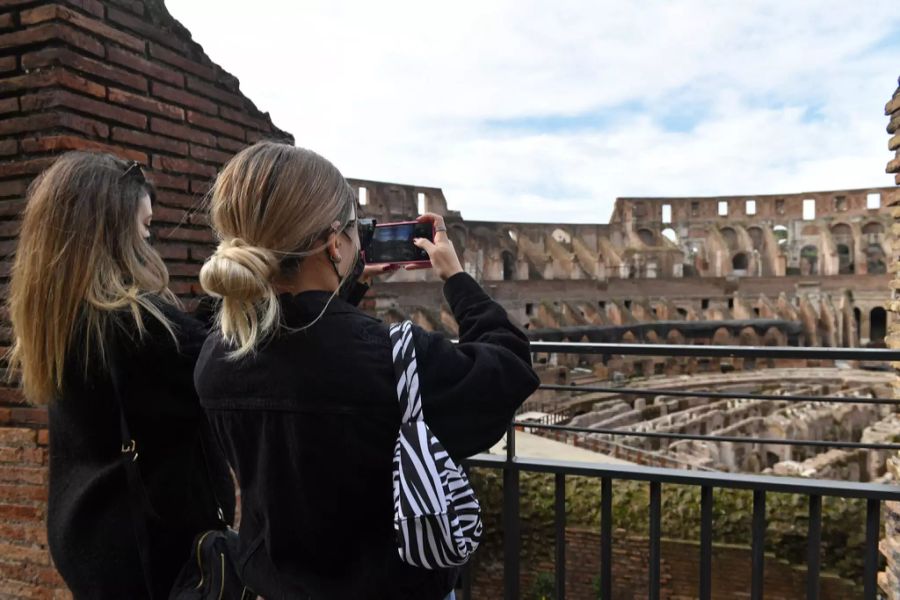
(309, 425)
(90, 528)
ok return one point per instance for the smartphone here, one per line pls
(391, 243)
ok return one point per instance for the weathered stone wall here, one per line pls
(119, 76)
(889, 579)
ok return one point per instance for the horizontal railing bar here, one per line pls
(741, 481)
(721, 395)
(710, 438)
(675, 350)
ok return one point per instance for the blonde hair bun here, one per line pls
(239, 271)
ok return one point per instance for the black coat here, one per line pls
(90, 528)
(309, 425)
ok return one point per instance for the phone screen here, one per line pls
(392, 243)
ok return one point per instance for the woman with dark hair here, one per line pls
(300, 385)
(100, 338)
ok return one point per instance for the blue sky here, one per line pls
(547, 111)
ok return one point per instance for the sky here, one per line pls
(549, 110)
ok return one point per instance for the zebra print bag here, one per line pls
(437, 518)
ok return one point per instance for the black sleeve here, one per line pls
(471, 390)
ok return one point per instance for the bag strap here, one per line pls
(137, 493)
(405, 370)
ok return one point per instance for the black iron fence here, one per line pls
(761, 485)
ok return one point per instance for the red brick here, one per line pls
(210, 155)
(244, 119)
(187, 235)
(181, 165)
(16, 474)
(61, 13)
(200, 187)
(184, 269)
(173, 251)
(228, 81)
(5, 416)
(43, 438)
(181, 132)
(29, 554)
(8, 105)
(172, 182)
(10, 395)
(199, 218)
(168, 198)
(61, 143)
(215, 125)
(34, 532)
(137, 63)
(62, 98)
(163, 214)
(149, 141)
(206, 71)
(7, 64)
(52, 77)
(17, 436)
(52, 32)
(29, 416)
(11, 208)
(6, 21)
(8, 147)
(22, 167)
(135, 6)
(64, 56)
(20, 513)
(182, 97)
(147, 29)
(230, 145)
(146, 104)
(211, 91)
(83, 125)
(95, 7)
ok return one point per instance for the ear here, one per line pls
(331, 248)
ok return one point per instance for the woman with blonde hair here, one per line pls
(100, 338)
(300, 387)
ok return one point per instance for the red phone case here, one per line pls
(422, 263)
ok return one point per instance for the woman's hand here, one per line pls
(371, 271)
(443, 256)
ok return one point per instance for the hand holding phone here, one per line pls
(440, 250)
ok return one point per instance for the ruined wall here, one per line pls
(117, 76)
(889, 579)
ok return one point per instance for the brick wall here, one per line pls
(119, 76)
(679, 572)
(889, 579)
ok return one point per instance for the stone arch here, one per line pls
(628, 337)
(876, 262)
(774, 337)
(841, 229)
(873, 228)
(809, 260)
(757, 237)
(647, 237)
(877, 325)
(675, 337)
(722, 337)
(845, 259)
(730, 236)
(748, 337)
(809, 230)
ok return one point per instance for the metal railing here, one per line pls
(761, 485)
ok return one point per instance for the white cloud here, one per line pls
(787, 96)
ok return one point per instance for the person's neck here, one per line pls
(309, 279)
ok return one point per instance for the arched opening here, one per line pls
(646, 236)
(561, 236)
(841, 230)
(875, 259)
(873, 229)
(809, 260)
(781, 234)
(670, 235)
(877, 325)
(740, 263)
(756, 235)
(730, 236)
(845, 259)
(509, 266)
(857, 320)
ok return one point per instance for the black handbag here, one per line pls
(209, 573)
